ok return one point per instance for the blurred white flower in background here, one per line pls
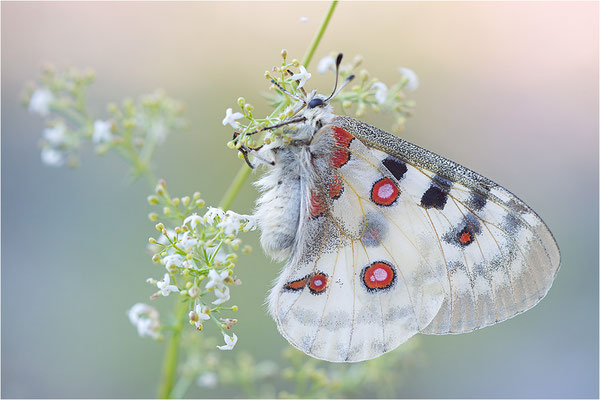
(40, 102)
(326, 64)
(381, 91)
(102, 131)
(412, 80)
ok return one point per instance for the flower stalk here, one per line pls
(172, 349)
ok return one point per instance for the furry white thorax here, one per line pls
(286, 185)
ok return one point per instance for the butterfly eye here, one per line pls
(315, 103)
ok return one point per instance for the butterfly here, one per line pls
(384, 239)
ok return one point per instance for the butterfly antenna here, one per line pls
(338, 61)
(293, 96)
(291, 121)
(334, 93)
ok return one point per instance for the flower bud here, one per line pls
(193, 316)
(185, 200)
(231, 144)
(200, 203)
(188, 285)
(167, 211)
(152, 240)
(234, 308)
(295, 63)
(248, 108)
(241, 101)
(160, 226)
(284, 53)
(194, 292)
(175, 201)
(196, 195)
(153, 216)
(156, 258)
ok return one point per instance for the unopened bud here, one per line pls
(152, 200)
(194, 292)
(185, 200)
(156, 258)
(153, 217)
(160, 226)
(193, 316)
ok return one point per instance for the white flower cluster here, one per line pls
(199, 256)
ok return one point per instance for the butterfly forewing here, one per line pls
(499, 256)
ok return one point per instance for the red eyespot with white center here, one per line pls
(318, 283)
(378, 276)
(384, 192)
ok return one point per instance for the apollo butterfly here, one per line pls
(384, 239)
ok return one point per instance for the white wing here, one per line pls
(394, 241)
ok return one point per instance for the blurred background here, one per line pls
(507, 89)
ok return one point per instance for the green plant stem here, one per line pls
(313, 47)
(172, 351)
(235, 187)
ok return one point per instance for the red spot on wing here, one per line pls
(336, 187)
(340, 154)
(379, 275)
(317, 204)
(465, 237)
(384, 192)
(318, 283)
(297, 284)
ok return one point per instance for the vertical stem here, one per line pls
(172, 351)
(241, 176)
(313, 47)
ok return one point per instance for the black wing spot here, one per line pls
(396, 167)
(437, 194)
(434, 197)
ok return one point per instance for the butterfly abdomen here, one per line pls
(278, 209)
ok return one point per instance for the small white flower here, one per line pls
(172, 261)
(201, 315)
(52, 157)
(216, 279)
(102, 131)
(212, 213)
(164, 286)
(231, 224)
(222, 295)
(55, 135)
(193, 221)
(187, 241)
(412, 80)
(145, 318)
(230, 342)
(40, 102)
(251, 223)
(326, 64)
(208, 380)
(381, 91)
(302, 76)
(231, 117)
(303, 19)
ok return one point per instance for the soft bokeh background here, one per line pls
(508, 89)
